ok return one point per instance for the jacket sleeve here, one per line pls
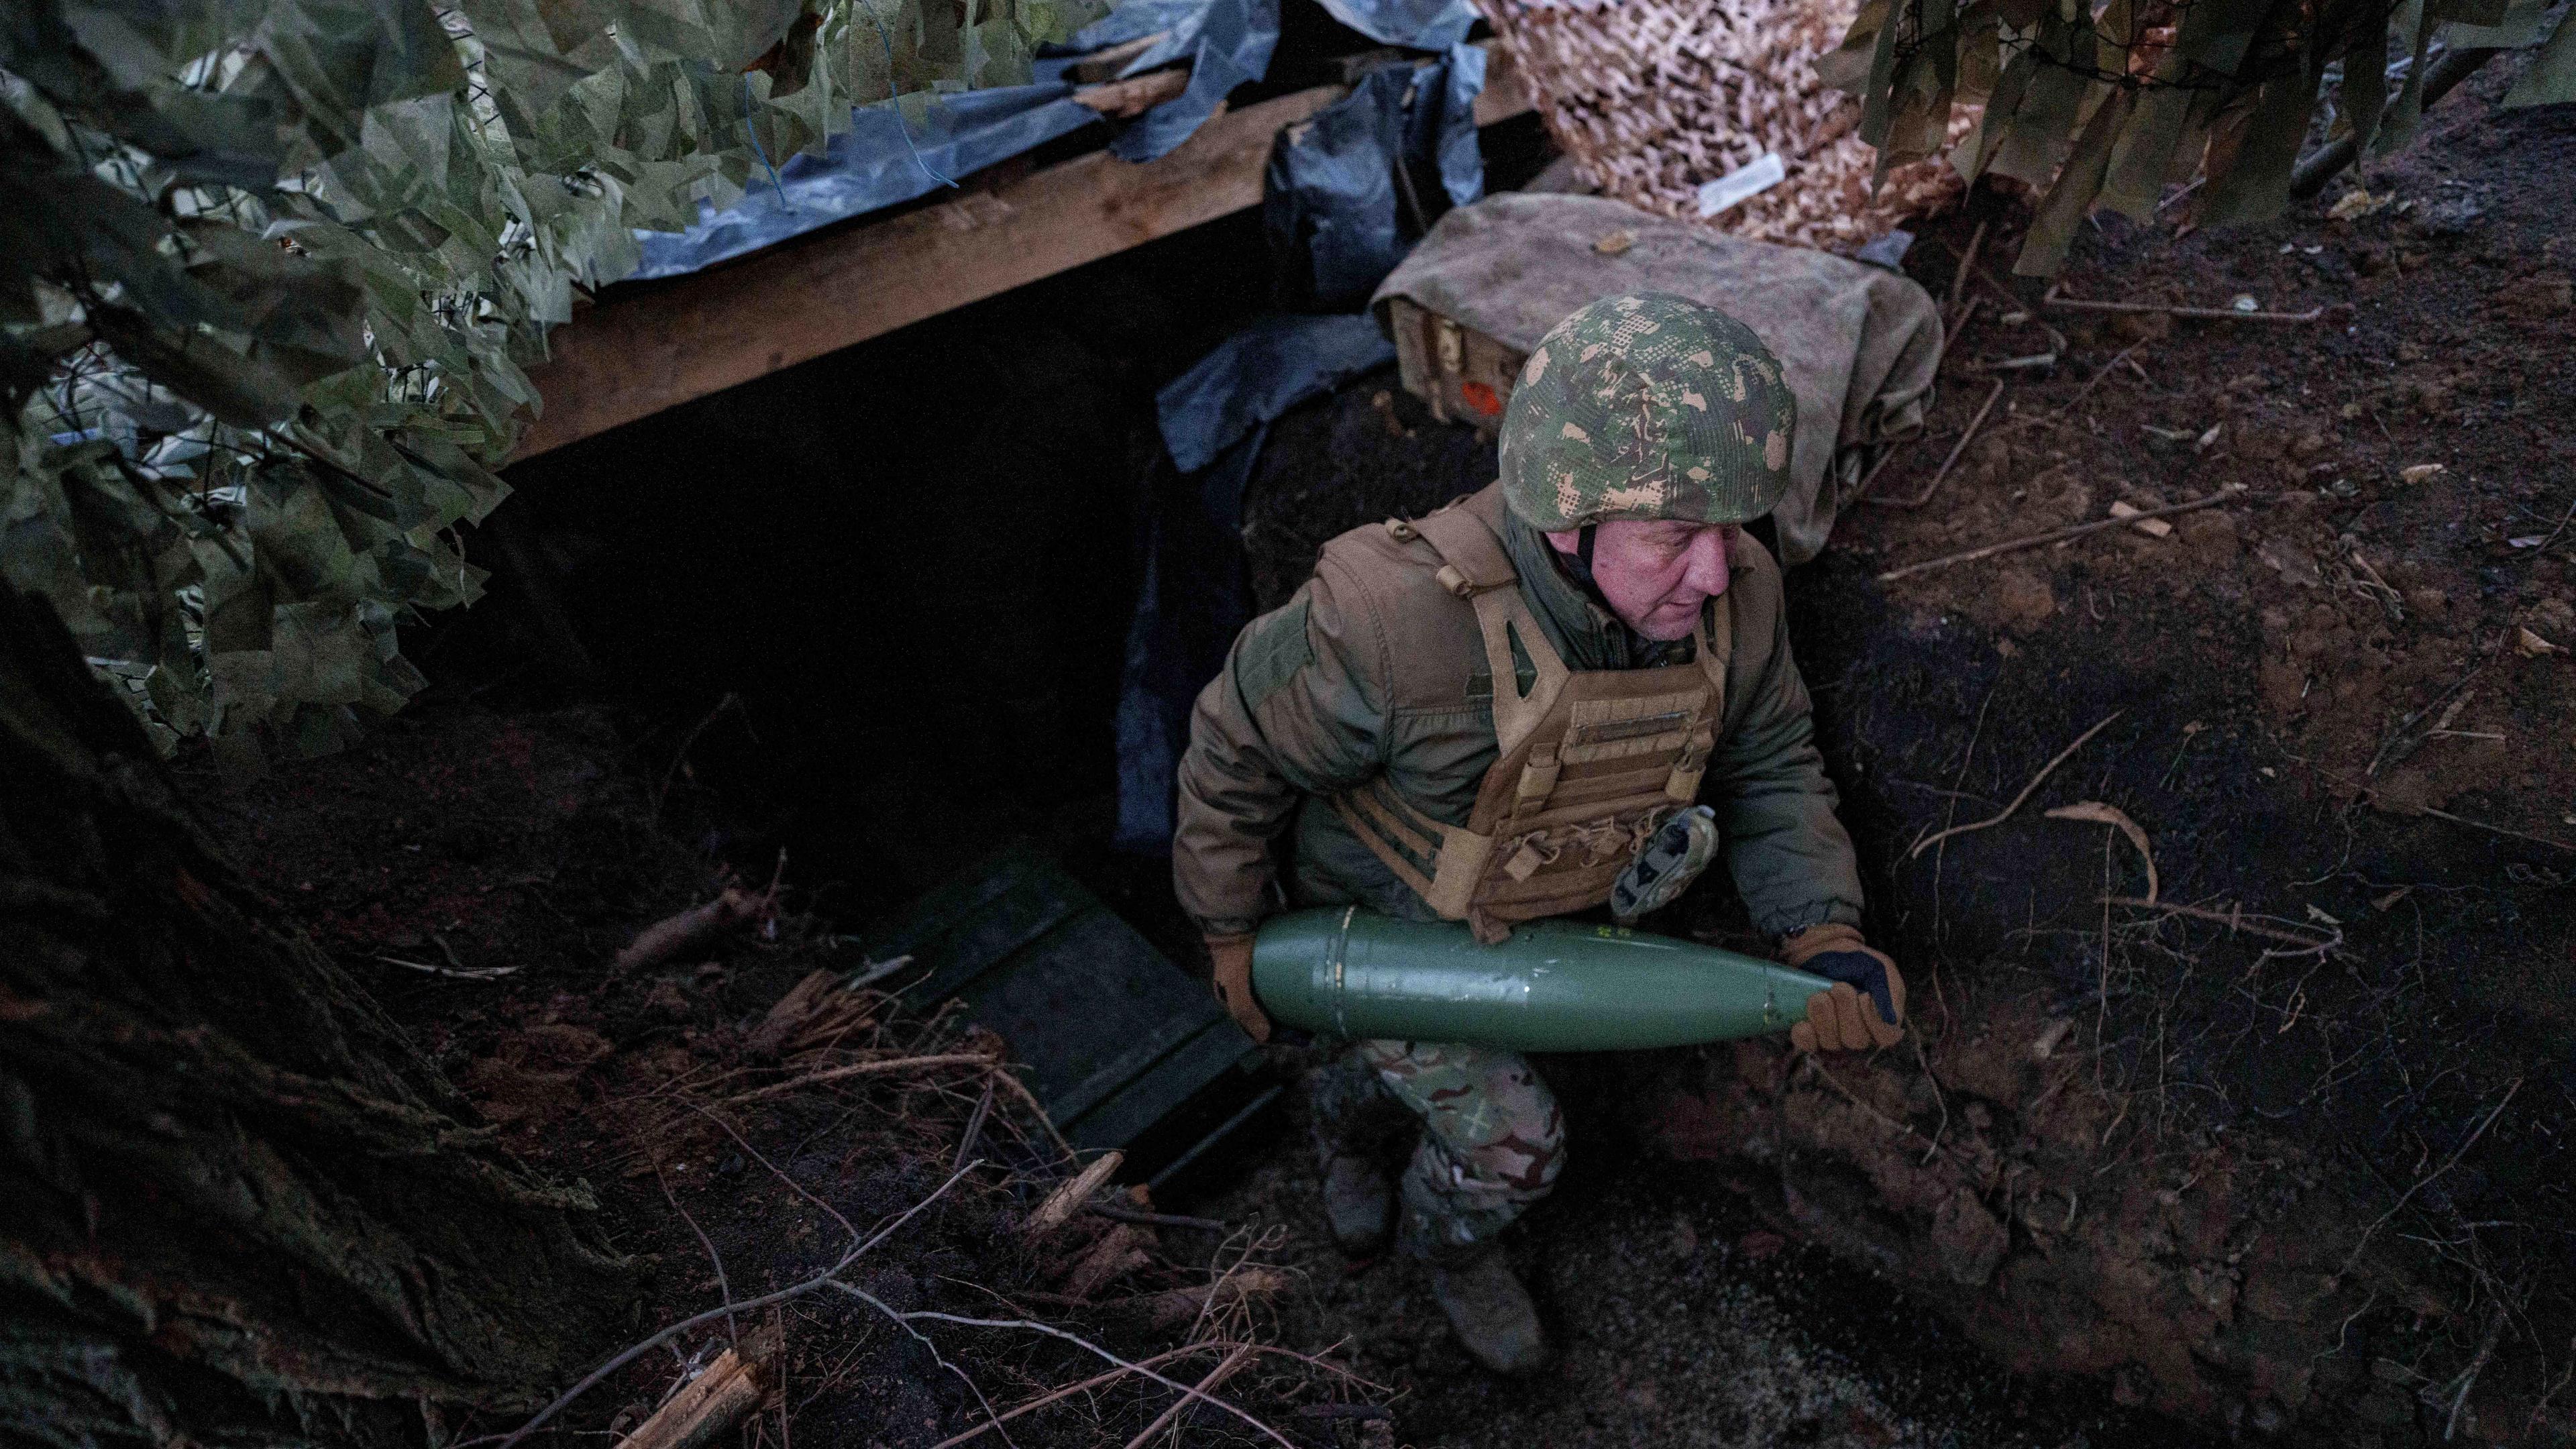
(1299, 709)
(1791, 859)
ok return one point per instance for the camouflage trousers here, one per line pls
(1492, 1139)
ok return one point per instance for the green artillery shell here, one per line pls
(1554, 986)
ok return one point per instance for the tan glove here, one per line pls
(1231, 956)
(1865, 1007)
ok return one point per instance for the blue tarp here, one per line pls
(1258, 374)
(898, 150)
(1415, 24)
(869, 166)
(1196, 597)
(1335, 201)
(1227, 42)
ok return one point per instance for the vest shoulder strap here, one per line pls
(1467, 545)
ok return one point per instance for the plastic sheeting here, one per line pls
(1227, 42)
(1258, 374)
(870, 166)
(895, 152)
(1339, 203)
(1418, 24)
(1196, 597)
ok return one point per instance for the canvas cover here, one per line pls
(1859, 343)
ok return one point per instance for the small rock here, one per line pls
(2451, 218)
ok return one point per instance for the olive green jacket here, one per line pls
(1372, 668)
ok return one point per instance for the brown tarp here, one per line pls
(1860, 343)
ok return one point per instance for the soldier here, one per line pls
(1508, 710)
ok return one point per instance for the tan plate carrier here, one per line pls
(1592, 760)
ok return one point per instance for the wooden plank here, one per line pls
(656, 346)
(1506, 93)
(636, 354)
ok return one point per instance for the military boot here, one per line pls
(1354, 1123)
(1490, 1311)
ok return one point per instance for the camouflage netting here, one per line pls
(1653, 98)
(2112, 104)
(2104, 104)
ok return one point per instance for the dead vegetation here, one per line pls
(1081, 1314)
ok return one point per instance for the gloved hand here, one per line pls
(1866, 1005)
(1231, 956)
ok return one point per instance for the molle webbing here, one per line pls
(1589, 762)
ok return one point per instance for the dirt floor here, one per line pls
(2282, 1155)
(2283, 1152)
(482, 872)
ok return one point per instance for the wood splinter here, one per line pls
(1068, 1199)
(709, 1405)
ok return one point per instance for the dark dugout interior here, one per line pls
(872, 610)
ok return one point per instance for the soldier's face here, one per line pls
(1657, 575)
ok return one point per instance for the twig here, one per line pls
(453, 973)
(2098, 813)
(2000, 816)
(2232, 918)
(2211, 314)
(1967, 266)
(699, 925)
(1057, 1396)
(903, 1321)
(2107, 368)
(2456, 1154)
(1215, 1376)
(1159, 1220)
(866, 1069)
(792, 1184)
(1069, 1196)
(2563, 520)
(1031, 1325)
(2490, 829)
(975, 1123)
(1860, 490)
(724, 1290)
(731, 701)
(2468, 1379)
(1905, 1129)
(2055, 535)
(593, 1379)
(1012, 1084)
(2399, 745)
(1970, 436)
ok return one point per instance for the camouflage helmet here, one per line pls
(1647, 406)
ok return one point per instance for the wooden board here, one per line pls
(661, 344)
